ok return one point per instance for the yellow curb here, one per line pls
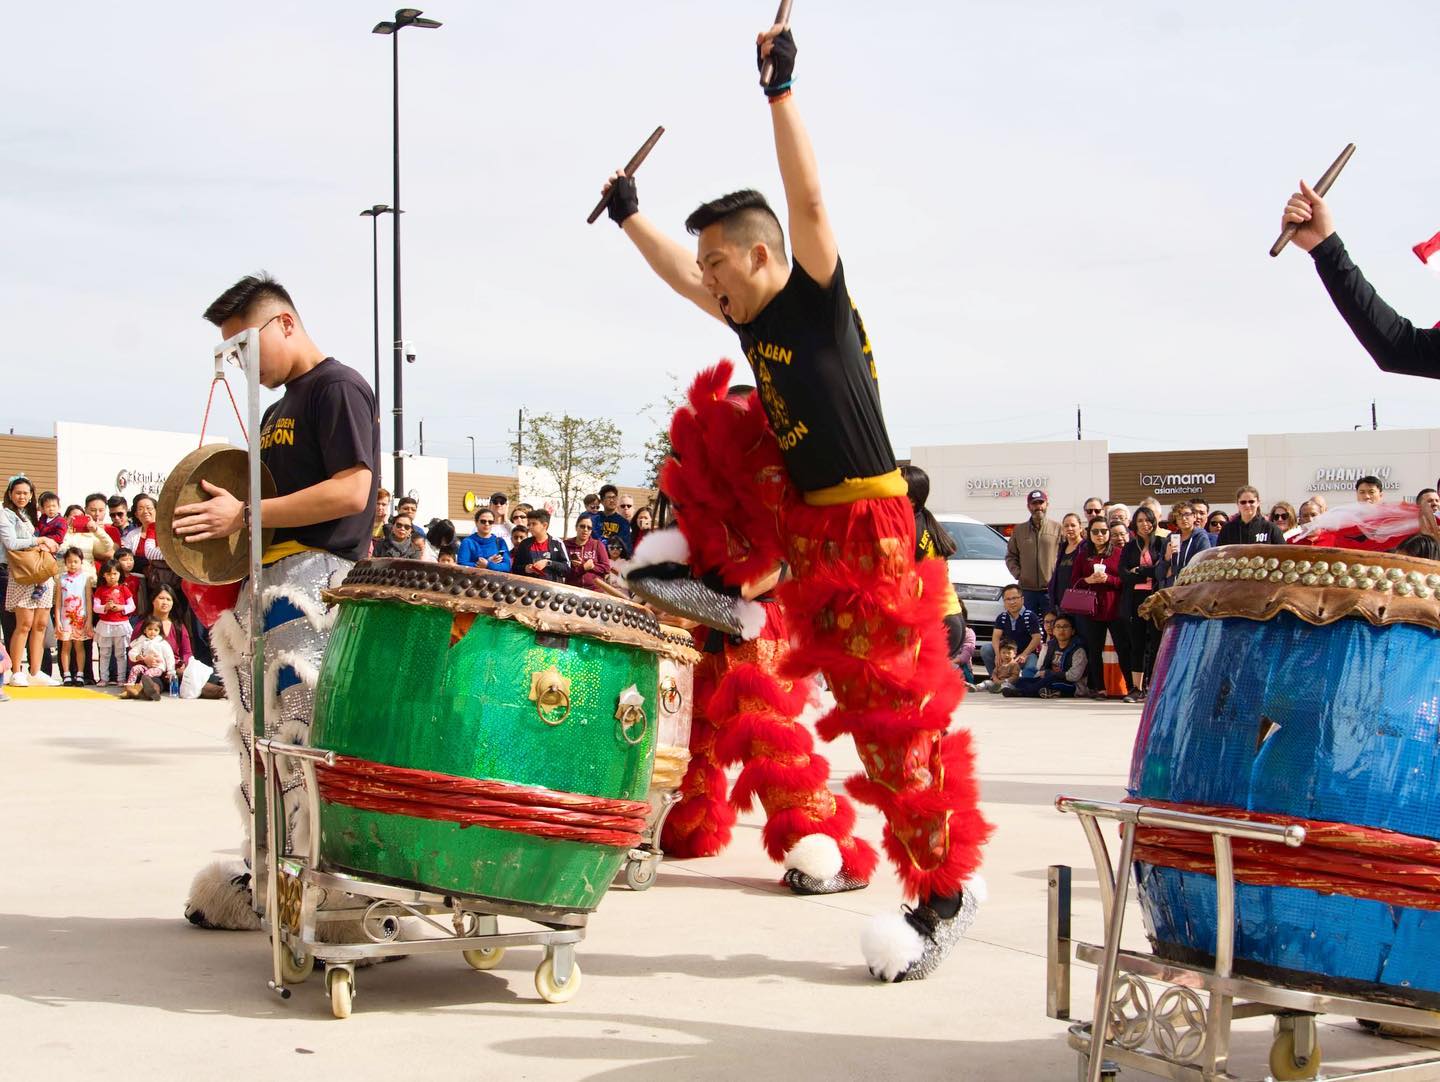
(54, 693)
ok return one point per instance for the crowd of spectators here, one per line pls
(519, 540)
(111, 588)
(1090, 572)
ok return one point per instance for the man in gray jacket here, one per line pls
(1030, 553)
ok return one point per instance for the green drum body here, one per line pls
(491, 692)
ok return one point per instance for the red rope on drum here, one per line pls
(487, 802)
(1337, 858)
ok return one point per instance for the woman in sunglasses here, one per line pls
(1097, 569)
(1283, 516)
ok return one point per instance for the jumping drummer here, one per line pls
(859, 608)
(321, 443)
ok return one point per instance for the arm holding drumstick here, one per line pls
(1395, 343)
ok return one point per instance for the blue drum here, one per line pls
(1303, 683)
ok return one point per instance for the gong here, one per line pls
(222, 559)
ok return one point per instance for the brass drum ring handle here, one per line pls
(671, 697)
(550, 692)
(630, 717)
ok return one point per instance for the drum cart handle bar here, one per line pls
(297, 751)
(1292, 834)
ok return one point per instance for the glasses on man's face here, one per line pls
(119, 514)
(627, 507)
(1094, 512)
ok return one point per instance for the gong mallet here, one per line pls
(630, 167)
(1321, 187)
(782, 19)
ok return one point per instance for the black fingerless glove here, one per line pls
(624, 200)
(782, 56)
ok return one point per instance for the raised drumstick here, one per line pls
(782, 19)
(1321, 187)
(630, 167)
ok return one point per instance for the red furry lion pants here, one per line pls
(863, 612)
(747, 712)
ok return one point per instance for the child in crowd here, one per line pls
(1062, 667)
(72, 618)
(518, 532)
(52, 523)
(113, 603)
(967, 648)
(1047, 627)
(151, 657)
(448, 553)
(1004, 672)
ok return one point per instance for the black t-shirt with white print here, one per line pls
(816, 380)
(323, 424)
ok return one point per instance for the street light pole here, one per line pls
(373, 213)
(472, 453)
(403, 17)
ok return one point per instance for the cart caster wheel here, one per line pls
(342, 992)
(549, 990)
(1282, 1059)
(640, 874)
(484, 958)
(295, 972)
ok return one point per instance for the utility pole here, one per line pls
(1077, 423)
(422, 437)
(1374, 424)
(520, 438)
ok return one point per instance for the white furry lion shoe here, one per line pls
(813, 866)
(910, 946)
(220, 898)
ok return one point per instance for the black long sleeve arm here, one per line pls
(1396, 344)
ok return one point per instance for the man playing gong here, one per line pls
(858, 608)
(321, 444)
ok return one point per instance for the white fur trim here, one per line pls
(320, 616)
(977, 886)
(666, 546)
(214, 894)
(890, 945)
(751, 616)
(816, 855)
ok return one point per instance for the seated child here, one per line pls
(1005, 671)
(1062, 667)
(150, 657)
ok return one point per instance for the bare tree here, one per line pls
(574, 451)
(657, 447)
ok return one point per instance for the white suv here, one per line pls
(977, 570)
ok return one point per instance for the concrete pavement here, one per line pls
(716, 972)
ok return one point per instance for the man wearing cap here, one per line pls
(1030, 553)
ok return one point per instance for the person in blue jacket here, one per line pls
(485, 548)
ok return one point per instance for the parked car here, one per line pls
(978, 570)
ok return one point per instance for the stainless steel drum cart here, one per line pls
(296, 887)
(1183, 1033)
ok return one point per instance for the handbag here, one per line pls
(32, 566)
(1078, 601)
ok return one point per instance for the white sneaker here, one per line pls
(43, 680)
(20, 680)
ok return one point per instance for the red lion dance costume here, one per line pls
(860, 610)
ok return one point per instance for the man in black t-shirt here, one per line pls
(321, 444)
(861, 609)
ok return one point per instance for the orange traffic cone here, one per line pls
(1115, 686)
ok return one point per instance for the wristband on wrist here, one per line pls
(773, 98)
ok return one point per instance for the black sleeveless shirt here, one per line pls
(816, 379)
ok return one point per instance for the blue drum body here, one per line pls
(1337, 721)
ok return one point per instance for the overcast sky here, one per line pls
(1040, 204)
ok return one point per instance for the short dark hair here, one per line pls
(403, 500)
(72, 550)
(1369, 479)
(96, 496)
(1066, 619)
(117, 502)
(450, 548)
(245, 296)
(591, 497)
(1008, 644)
(746, 217)
(46, 496)
(1419, 494)
(605, 489)
(538, 514)
(1013, 586)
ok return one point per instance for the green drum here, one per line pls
(495, 735)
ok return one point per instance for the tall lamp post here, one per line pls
(403, 17)
(373, 213)
(472, 453)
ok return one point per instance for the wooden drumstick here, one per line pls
(1321, 187)
(782, 19)
(630, 167)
